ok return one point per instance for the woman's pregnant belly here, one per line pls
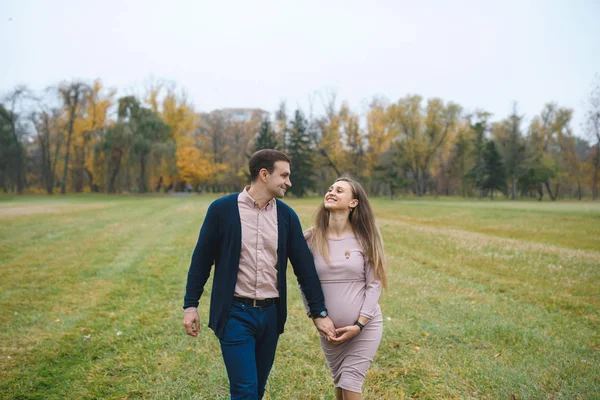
(343, 301)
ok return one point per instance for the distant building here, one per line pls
(241, 114)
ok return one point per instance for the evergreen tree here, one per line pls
(494, 176)
(511, 145)
(300, 152)
(265, 138)
(477, 174)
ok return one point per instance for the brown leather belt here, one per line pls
(254, 302)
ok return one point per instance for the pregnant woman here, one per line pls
(348, 252)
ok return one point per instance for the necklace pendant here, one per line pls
(347, 253)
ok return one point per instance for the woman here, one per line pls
(348, 252)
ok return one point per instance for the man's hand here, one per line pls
(325, 327)
(345, 333)
(191, 321)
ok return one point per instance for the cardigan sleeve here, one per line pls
(203, 258)
(304, 267)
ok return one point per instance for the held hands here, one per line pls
(325, 327)
(191, 321)
(345, 333)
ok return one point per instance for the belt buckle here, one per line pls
(254, 303)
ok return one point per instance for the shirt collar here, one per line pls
(246, 198)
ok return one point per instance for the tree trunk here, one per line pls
(21, 155)
(77, 172)
(142, 174)
(514, 187)
(596, 168)
(113, 177)
(549, 189)
(63, 183)
(93, 188)
(20, 184)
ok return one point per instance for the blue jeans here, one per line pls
(248, 348)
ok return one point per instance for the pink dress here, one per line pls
(350, 290)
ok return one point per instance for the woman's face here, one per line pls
(339, 197)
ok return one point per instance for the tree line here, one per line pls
(79, 136)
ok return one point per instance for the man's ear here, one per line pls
(263, 174)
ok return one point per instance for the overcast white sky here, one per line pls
(481, 54)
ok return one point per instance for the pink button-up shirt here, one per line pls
(257, 275)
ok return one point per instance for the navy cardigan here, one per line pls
(220, 242)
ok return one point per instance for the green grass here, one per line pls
(486, 301)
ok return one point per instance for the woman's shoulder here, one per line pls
(308, 234)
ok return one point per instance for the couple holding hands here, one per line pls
(339, 264)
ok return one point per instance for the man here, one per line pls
(250, 236)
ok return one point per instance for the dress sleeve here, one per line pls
(372, 293)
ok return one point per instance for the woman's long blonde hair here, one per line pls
(362, 221)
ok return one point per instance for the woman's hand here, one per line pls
(345, 333)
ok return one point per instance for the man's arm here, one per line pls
(202, 259)
(304, 269)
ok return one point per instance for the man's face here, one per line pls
(279, 181)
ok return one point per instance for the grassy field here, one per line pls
(486, 301)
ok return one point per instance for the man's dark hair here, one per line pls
(265, 158)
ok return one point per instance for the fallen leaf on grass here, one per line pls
(188, 348)
(86, 337)
(425, 334)
(498, 355)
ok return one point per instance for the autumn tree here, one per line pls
(592, 124)
(47, 124)
(115, 147)
(329, 152)
(12, 136)
(379, 139)
(190, 160)
(88, 132)
(420, 132)
(549, 135)
(147, 128)
(461, 156)
(356, 161)
(73, 96)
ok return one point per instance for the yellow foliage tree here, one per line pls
(421, 133)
